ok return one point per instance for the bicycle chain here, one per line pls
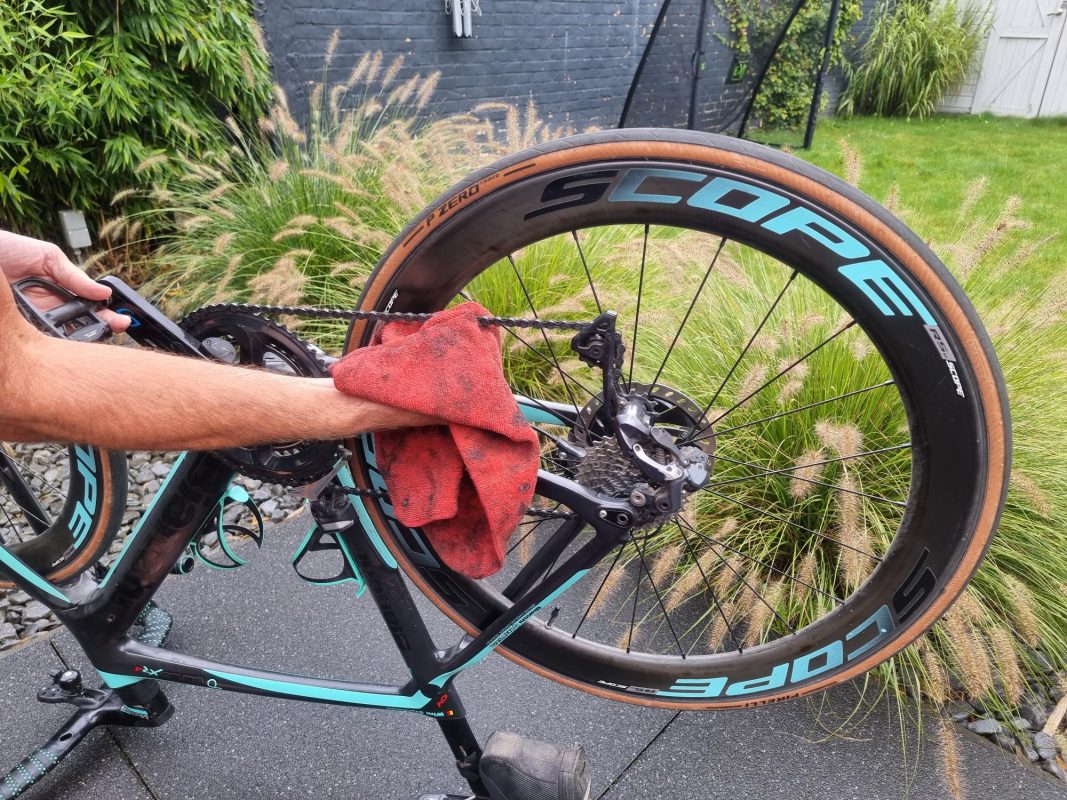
(312, 312)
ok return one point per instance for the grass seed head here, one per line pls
(1012, 682)
(975, 192)
(852, 163)
(950, 760)
(1023, 604)
(331, 46)
(800, 485)
(282, 285)
(222, 242)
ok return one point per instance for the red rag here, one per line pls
(467, 484)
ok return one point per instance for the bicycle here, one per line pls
(635, 469)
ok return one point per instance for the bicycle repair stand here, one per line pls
(509, 767)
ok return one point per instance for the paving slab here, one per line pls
(222, 746)
(226, 745)
(782, 751)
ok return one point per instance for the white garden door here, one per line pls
(1024, 72)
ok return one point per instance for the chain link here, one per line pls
(311, 312)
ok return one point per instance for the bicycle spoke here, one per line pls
(548, 344)
(881, 385)
(715, 599)
(600, 588)
(24, 469)
(633, 616)
(890, 449)
(588, 274)
(15, 528)
(730, 481)
(526, 535)
(552, 363)
(692, 305)
(637, 313)
(659, 599)
(797, 525)
(772, 568)
(748, 346)
(785, 371)
(729, 566)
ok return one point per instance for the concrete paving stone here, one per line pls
(780, 751)
(223, 746)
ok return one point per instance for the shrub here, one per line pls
(93, 93)
(915, 53)
(784, 100)
(303, 216)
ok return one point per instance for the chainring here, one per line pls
(261, 342)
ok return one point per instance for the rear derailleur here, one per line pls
(632, 438)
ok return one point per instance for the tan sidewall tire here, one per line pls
(805, 181)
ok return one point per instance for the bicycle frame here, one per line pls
(100, 614)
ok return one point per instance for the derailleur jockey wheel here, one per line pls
(240, 337)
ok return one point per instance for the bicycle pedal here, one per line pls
(513, 767)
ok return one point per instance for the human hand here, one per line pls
(23, 257)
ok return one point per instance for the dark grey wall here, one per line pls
(575, 58)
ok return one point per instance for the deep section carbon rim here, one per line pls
(833, 395)
(59, 505)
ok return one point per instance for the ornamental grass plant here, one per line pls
(916, 51)
(287, 212)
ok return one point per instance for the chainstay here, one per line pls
(312, 312)
(540, 513)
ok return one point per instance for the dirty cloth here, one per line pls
(466, 483)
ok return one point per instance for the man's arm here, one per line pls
(55, 390)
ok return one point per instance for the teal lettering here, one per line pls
(820, 229)
(631, 182)
(775, 680)
(833, 653)
(881, 620)
(81, 520)
(877, 274)
(89, 498)
(80, 523)
(695, 687)
(761, 202)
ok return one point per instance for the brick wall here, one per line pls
(575, 58)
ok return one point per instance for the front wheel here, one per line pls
(837, 379)
(60, 506)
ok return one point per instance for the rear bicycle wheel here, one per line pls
(841, 384)
(60, 506)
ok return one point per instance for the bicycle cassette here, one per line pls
(237, 336)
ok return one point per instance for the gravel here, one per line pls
(985, 727)
(21, 617)
(1024, 734)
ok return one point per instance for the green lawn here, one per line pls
(934, 161)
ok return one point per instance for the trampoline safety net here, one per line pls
(701, 72)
